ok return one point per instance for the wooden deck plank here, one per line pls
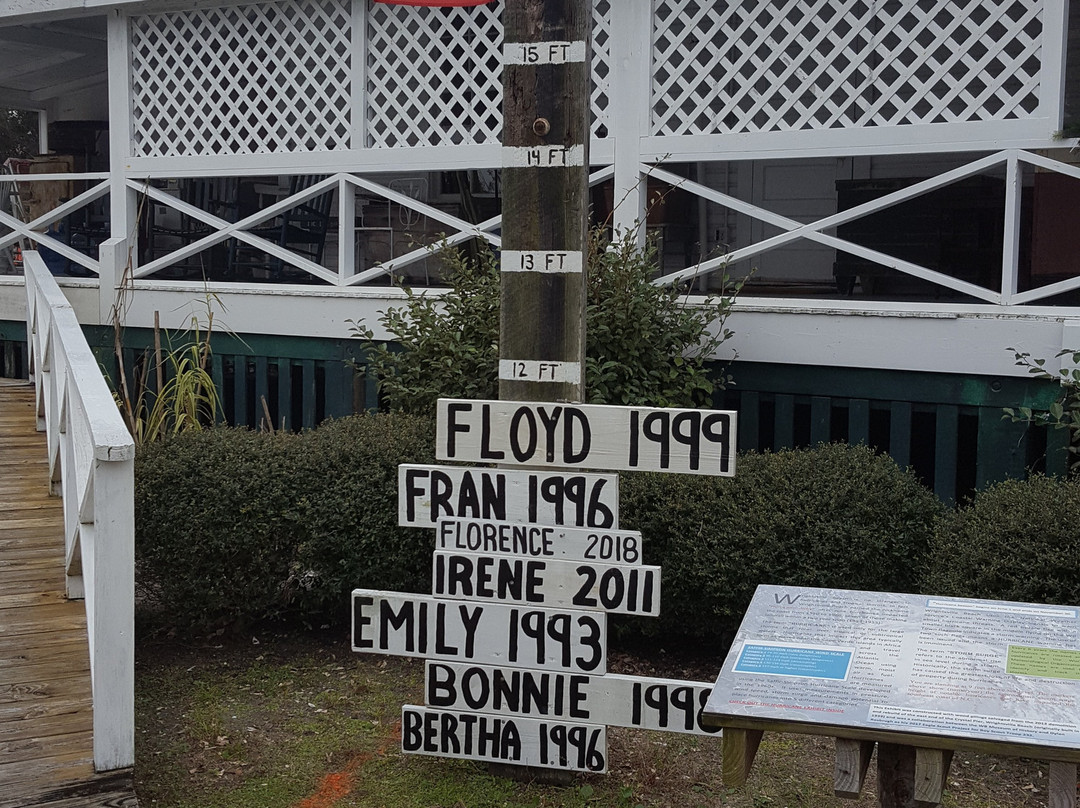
(46, 708)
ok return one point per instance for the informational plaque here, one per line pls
(979, 670)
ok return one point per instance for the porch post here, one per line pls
(122, 207)
(1055, 34)
(631, 98)
(1010, 257)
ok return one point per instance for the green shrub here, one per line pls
(235, 526)
(833, 516)
(215, 524)
(644, 344)
(1018, 540)
(351, 537)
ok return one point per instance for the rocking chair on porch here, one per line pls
(300, 229)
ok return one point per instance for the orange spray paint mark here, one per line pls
(337, 785)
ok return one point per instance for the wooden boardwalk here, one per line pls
(46, 743)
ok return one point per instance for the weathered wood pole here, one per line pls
(546, 92)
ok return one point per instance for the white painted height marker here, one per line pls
(543, 53)
(553, 261)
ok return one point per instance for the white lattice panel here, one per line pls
(434, 75)
(601, 67)
(724, 66)
(244, 79)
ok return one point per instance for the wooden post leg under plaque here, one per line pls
(738, 748)
(852, 761)
(910, 777)
(1062, 785)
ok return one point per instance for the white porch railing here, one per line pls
(91, 462)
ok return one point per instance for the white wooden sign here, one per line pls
(429, 493)
(612, 546)
(487, 633)
(587, 436)
(547, 582)
(492, 738)
(671, 705)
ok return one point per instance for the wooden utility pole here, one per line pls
(546, 120)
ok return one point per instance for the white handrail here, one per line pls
(91, 463)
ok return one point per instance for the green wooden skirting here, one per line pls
(947, 427)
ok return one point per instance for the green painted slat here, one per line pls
(784, 423)
(859, 421)
(262, 387)
(334, 384)
(284, 390)
(893, 385)
(945, 446)
(1002, 451)
(307, 369)
(749, 411)
(1057, 451)
(217, 373)
(900, 432)
(240, 391)
(820, 419)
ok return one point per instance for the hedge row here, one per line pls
(235, 526)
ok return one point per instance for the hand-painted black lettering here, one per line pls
(486, 452)
(576, 425)
(411, 724)
(475, 688)
(440, 689)
(523, 414)
(442, 647)
(559, 630)
(656, 697)
(389, 620)
(493, 488)
(468, 500)
(442, 488)
(655, 427)
(453, 427)
(591, 640)
(682, 699)
(717, 429)
(551, 490)
(584, 597)
(360, 620)
(414, 491)
(470, 619)
(689, 437)
(549, 422)
(599, 515)
(578, 696)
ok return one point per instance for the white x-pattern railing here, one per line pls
(91, 463)
(39, 231)
(343, 271)
(793, 230)
(345, 186)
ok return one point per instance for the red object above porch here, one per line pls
(433, 2)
